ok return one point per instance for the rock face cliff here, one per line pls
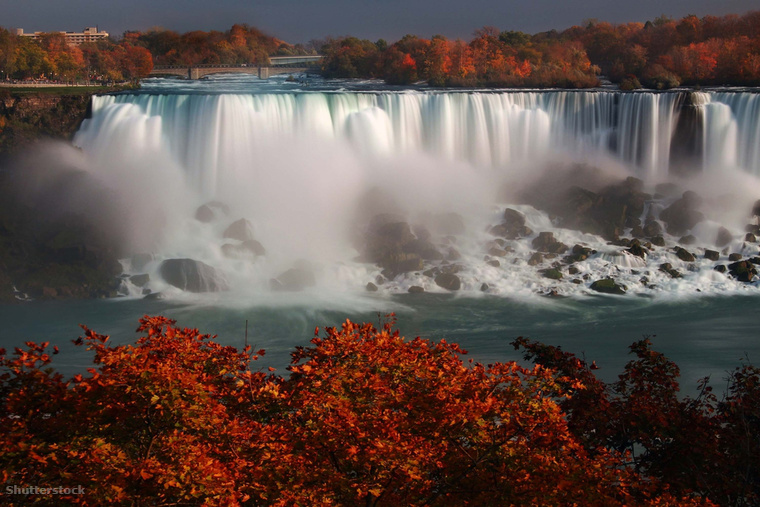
(42, 255)
(29, 117)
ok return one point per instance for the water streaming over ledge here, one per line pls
(298, 164)
(491, 129)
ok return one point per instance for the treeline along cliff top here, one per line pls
(658, 54)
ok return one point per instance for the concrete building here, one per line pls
(89, 34)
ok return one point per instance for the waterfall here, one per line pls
(300, 164)
(740, 125)
(205, 132)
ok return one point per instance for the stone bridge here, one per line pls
(277, 65)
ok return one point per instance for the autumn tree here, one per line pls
(135, 62)
(692, 445)
(350, 57)
(437, 62)
(30, 61)
(365, 417)
(172, 418)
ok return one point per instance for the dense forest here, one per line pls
(133, 57)
(659, 54)
(51, 59)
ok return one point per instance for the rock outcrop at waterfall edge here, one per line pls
(192, 276)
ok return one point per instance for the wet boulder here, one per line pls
(621, 204)
(667, 267)
(139, 280)
(192, 276)
(551, 273)
(652, 228)
(575, 207)
(448, 281)
(606, 212)
(513, 225)
(506, 231)
(684, 254)
(637, 250)
(579, 253)
(386, 236)
(536, 259)
(724, 237)
(254, 247)
(683, 214)
(390, 243)
(294, 279)
(743, 271)
(395, 264)
(424, 248)
(545, 242)
(241, 230)
(495, 251)
(712, 255)
(453, 255)
(211, 211)
(608, 286)
(756, 209)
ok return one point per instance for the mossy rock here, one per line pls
(743, 271)
(551, 273)
(608, 286)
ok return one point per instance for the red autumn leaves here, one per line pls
(366, 417)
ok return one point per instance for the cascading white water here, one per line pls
(740, 136)
(298, 164)
(488, 129)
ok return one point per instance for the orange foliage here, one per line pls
(366, 417)
(711, 50)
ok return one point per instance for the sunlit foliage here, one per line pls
(369, 417)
